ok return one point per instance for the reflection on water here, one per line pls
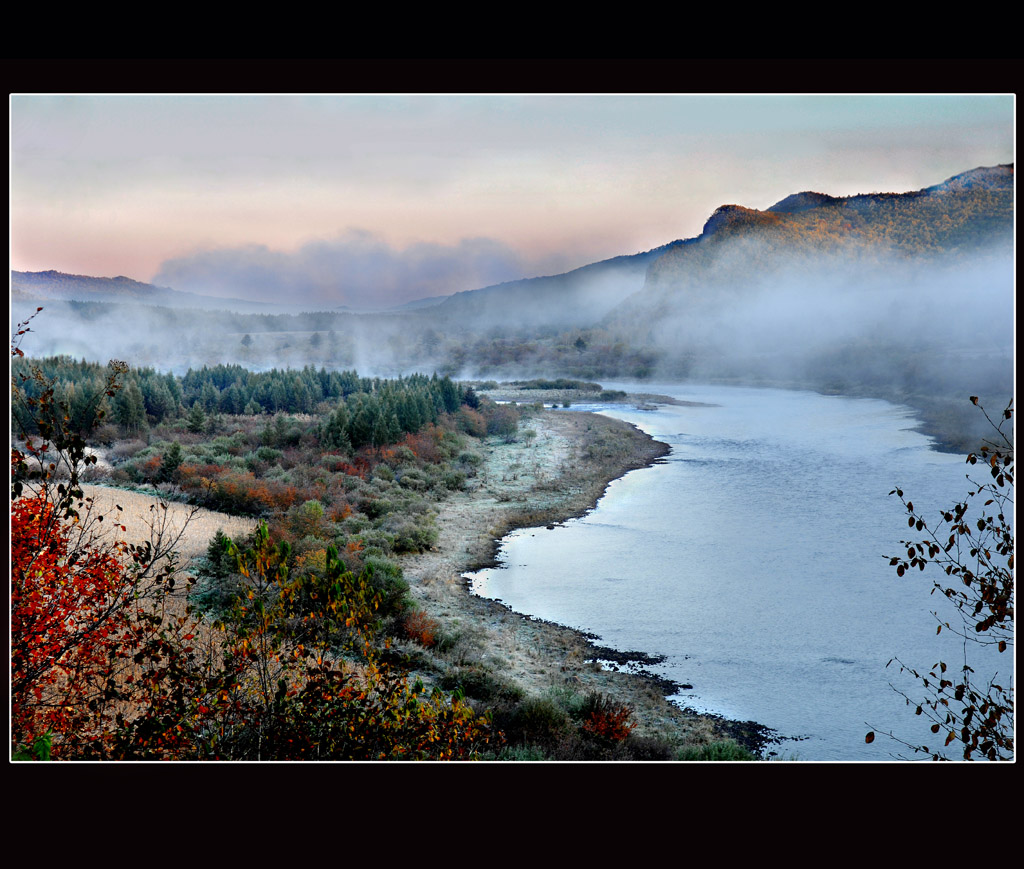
(754, 559)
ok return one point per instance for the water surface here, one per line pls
(754, 557)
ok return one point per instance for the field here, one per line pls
(140, 512)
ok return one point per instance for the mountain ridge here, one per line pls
(805, 223)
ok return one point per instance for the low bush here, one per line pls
(479, 683)
(454, 480)
(716, 751)
(537, 721)
(412, 536)
(414, 479)
(522, 753)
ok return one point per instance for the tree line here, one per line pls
(370, 410)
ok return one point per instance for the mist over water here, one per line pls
(754, 559)
(785, 317)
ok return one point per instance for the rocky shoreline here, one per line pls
(558, 471)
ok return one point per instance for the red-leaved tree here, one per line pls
(101, 664)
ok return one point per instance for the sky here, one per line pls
(371, 200)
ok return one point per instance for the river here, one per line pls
(754, 559)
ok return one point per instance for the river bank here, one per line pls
(559, 468)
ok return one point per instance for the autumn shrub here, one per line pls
(125, 449)
(427, 444)
(118, 477)
(106, 434)
(401, 455)
(334, 463)
(650, 748)
(420, 628)
(379, 715)
(307, 519)
(97, 658)
(383, 472)
(503, 422)
(55, 627)
(454, 480)
(374, 507)
(291, 699)
(471, 422)
(605, 718)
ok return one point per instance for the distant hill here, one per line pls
(742, 246)
(84, 288)
(416, 304)
(576, 298)
(58, 285)
(983, 178)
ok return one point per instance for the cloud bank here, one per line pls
(358, 269)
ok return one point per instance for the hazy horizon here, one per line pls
(377, 200)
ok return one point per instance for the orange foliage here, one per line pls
(607, 719)
(472, 422)
(425, 443)
(339, 513)
(421, 628)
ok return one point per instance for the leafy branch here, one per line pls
(972, 544)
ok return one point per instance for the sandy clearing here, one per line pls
(141, 510)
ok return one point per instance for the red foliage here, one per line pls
(240, 491)
(421, 628)
(472, 422)
(607, 719)
(425, 443)
(91, 658)
(150, 469)
(53, 605)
